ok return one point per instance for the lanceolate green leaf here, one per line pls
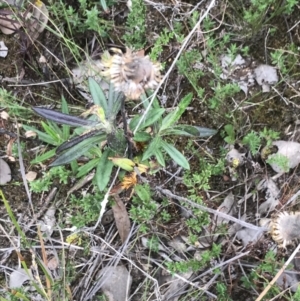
(114, 102)
(57, 129)
(77, 139)
(64, 106)
(141, 137)
(152, 116)
(160, 157)
(62, 118)
(44, 156)
(77, 150)
(188, 130)
(46, 138)
(65, 110)
(104, 170)
(97, 94)
(142, 193)
(84, 169)
(153, 146)
(175, 132)
(51, 131)
(145, 100)
(181, 129)
(176, 155)
(174, 116)
(71, 154)
(42, 136)
(74, 166)
(104, 6)
(205, 132)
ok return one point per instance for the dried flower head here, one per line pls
(131, 72)
(285, 227)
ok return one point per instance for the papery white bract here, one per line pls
(131, 72)
(285, 227)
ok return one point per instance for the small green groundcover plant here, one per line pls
(81, 16)
(99, 138)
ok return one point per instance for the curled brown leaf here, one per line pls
(121, 218)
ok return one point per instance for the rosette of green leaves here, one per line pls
(89, 134)
(52, 134)
(163, 127)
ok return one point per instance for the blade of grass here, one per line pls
(44, 256)
(12, 217)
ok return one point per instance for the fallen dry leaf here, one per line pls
(176, 285)
(8, 22)
(121, 218)
(35, 21)
(30, 134)
(265, 76)
(248, 236)
(38, 20)
(288, 280)
(117, 189)
(18, 277)
(108, 217)
(88, 68)
(237, 70)
(228, 206)
(4, 115)
(117, 282)
(42, 60)
(235, 158)
(3, 49)
(74, 238)
(5, 173)
(30, 176)
(52, 264)
(286, 157)
(9, 147)
(50, 221)
(272, 194)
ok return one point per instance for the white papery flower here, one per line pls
(285, 228)
(131, 72)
